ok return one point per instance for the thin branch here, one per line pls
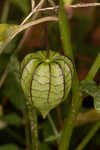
(48, 8)
(89, 136)
(33, 11)
(85, 5)
(28, 31)
(36, 9)
(41, 20)
(30, 24)
(53, 126)
(39, 6)
(33, 4)
(4, 76)
(72, 6)
(30, 14)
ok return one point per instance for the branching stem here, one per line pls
(33, 11)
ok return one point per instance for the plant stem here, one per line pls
(33, 4)
(28, 31)
(27, 135)
(77, 97)
(47, 40)
(33, 11)
(89, 136)
(45, 19)
(53, 126)
(3, 77)
(27, 128)
(70, 122)
(65, 32)
(95, 67)
(32, 114)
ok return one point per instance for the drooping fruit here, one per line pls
(46, 81)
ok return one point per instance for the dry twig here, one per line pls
(81, 5)
(33, 4)
(85, 5)
(33, 11)
(29, 30)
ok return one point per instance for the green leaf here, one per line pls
(53, 138)
(92, 89)
(12, 119)
(89, 87)
(9, 147)
(6, 33)
(12, 88)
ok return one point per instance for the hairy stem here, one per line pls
(27, 128)
(76, 96)
(32, 114)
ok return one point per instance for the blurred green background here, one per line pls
(85, 37)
